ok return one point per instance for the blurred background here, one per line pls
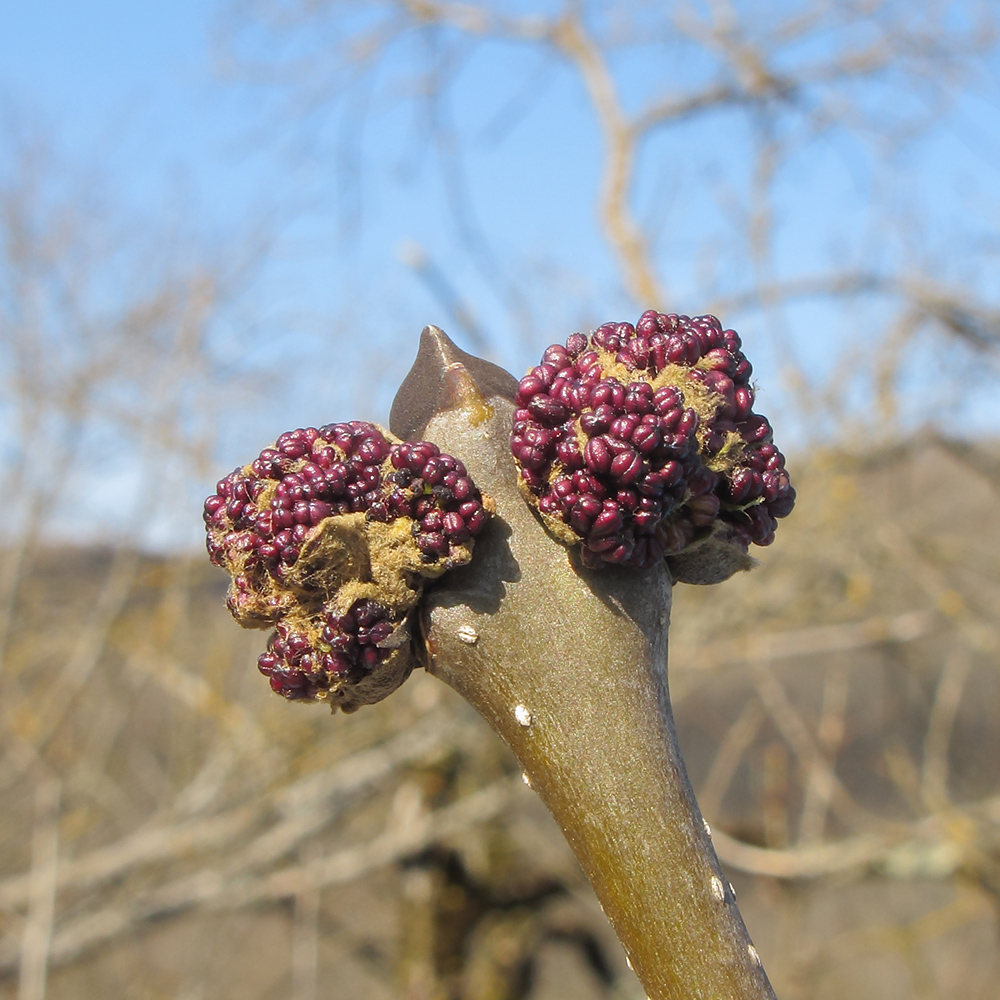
(222, 220)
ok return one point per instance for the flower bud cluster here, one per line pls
(640, 440)
(350, 486)
(301, 664)
(267, 511)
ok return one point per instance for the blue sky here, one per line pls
(133, 90)
(132, 80)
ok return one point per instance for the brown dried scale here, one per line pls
(329, 536)
(641, 442)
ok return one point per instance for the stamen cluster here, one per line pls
(267, 517)
(301, 665)
(640, 440)
(268, 509)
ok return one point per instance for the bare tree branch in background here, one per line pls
(739, 92)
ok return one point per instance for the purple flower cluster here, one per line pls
(328, 651)
(641, 439)
(262, 514)
(434, 490)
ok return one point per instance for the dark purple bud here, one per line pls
(688, 423)
(292, 444)
(380, 632)
(585, 483)
(266, 663)
(598, 455)
(621, 553)
(212, 504)
(622, 427)
(568, 453)
(782, 506)
(380, 511)
(647, 324)
(666, 399)
(366, 613)
(639, 398)
(476, 522)
(455, 529)
(646, 438)
(547, 409)
(703, 510)
(676, 350)
(604, 543)
(627, 500)
(563, 488)
(610, 392)
(702, 481)
(530, 385)
(468, 508)
(738, 488)
(775, 484)
(434, 471)
(721, 384)
(719, 360)
(598, 420)
(558, 356)
(336, 665)
(432, 543)
(755, 429)
(692, 346)
(374, 449)
(626, 466)
(606, 337)
(609, 521)
(742, 402)
(583, 514)
(549, 505)
(413, 456)
(762, 525)
(645, 521)
(432, 520)
(283, 518)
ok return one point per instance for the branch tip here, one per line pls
(444, 377)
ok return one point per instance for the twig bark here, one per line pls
(37, 937)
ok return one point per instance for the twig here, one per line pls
(210, 890)
(803, 643)
(800, 862)
(37, 937)
(830, 734)
(797, 734)
(304, 806)
(738, 738)
(305, 934)
(934, 783)
(623, 232)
